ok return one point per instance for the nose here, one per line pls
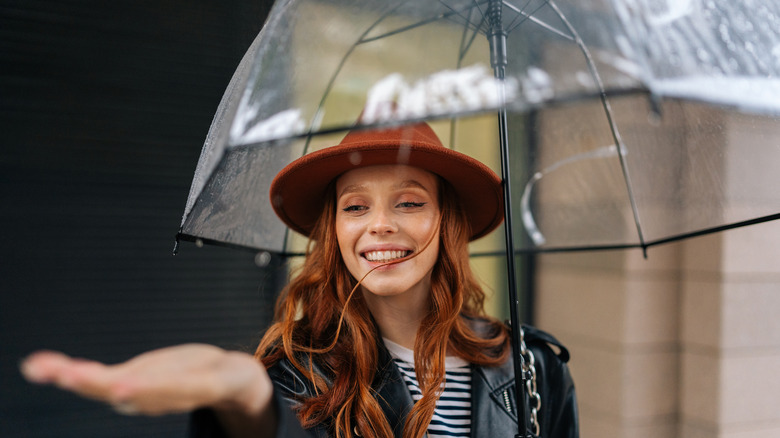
(382, 222)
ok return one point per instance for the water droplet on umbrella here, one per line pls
(262, 259)
(654, 118)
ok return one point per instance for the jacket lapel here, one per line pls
(391, 388)
(493, 401)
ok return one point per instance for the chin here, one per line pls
(382, 289)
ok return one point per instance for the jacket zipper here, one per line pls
(507, 401)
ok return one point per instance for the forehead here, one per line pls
(390, 176)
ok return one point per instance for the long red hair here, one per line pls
(318, 303)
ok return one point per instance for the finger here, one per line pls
(87, 378)
(43, 366)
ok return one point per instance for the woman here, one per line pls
(383, 331)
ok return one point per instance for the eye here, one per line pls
(411, 204)
(354, 208)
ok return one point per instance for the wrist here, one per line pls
(249, 411)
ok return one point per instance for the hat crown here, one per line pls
(420, 133)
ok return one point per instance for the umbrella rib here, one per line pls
(411, 26)
(520, 13)
(481, 11)
(643, 246)
(537, 21)
(610, 120)
(461, 50)
(523, 251)
(717, 229)
(459, 12)
(529, 16)
(467, 20)
(465, 47)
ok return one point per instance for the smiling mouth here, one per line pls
(385, 256)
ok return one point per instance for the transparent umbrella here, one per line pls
(621, 123)
(582, 173)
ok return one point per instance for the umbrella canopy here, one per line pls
(630, 122)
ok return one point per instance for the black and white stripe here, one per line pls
(452, 415)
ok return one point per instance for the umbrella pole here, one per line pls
(498, 60)
(514, 302)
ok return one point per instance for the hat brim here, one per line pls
(299, 190)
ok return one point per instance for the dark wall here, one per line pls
(103, 109)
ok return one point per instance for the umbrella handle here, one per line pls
(527, 216)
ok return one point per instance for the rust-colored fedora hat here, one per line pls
(298, 191)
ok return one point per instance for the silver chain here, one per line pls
(529, 367)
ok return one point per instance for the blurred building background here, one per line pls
(104, 107)
(687, 342)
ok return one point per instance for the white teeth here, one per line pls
(384, 256)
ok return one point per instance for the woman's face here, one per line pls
(388, 212)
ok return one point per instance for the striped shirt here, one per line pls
(452, 415)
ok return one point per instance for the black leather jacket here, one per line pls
(493, 406)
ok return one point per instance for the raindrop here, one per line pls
(725, 36)
(355, 158)
(262, 259)
(750, 48)
(703, 55)
(199, 243)
(584, 79)
(776, 52)
(654, 118)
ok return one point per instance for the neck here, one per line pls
(399, 317)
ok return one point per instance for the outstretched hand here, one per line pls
(170, 380)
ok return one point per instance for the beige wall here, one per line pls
(684, 344)
(730, 335)
(618, 314)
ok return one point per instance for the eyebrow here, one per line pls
(355, 188)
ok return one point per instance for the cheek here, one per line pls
(425, 231)
(345, 238)
(424, 226)
(340, 238)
